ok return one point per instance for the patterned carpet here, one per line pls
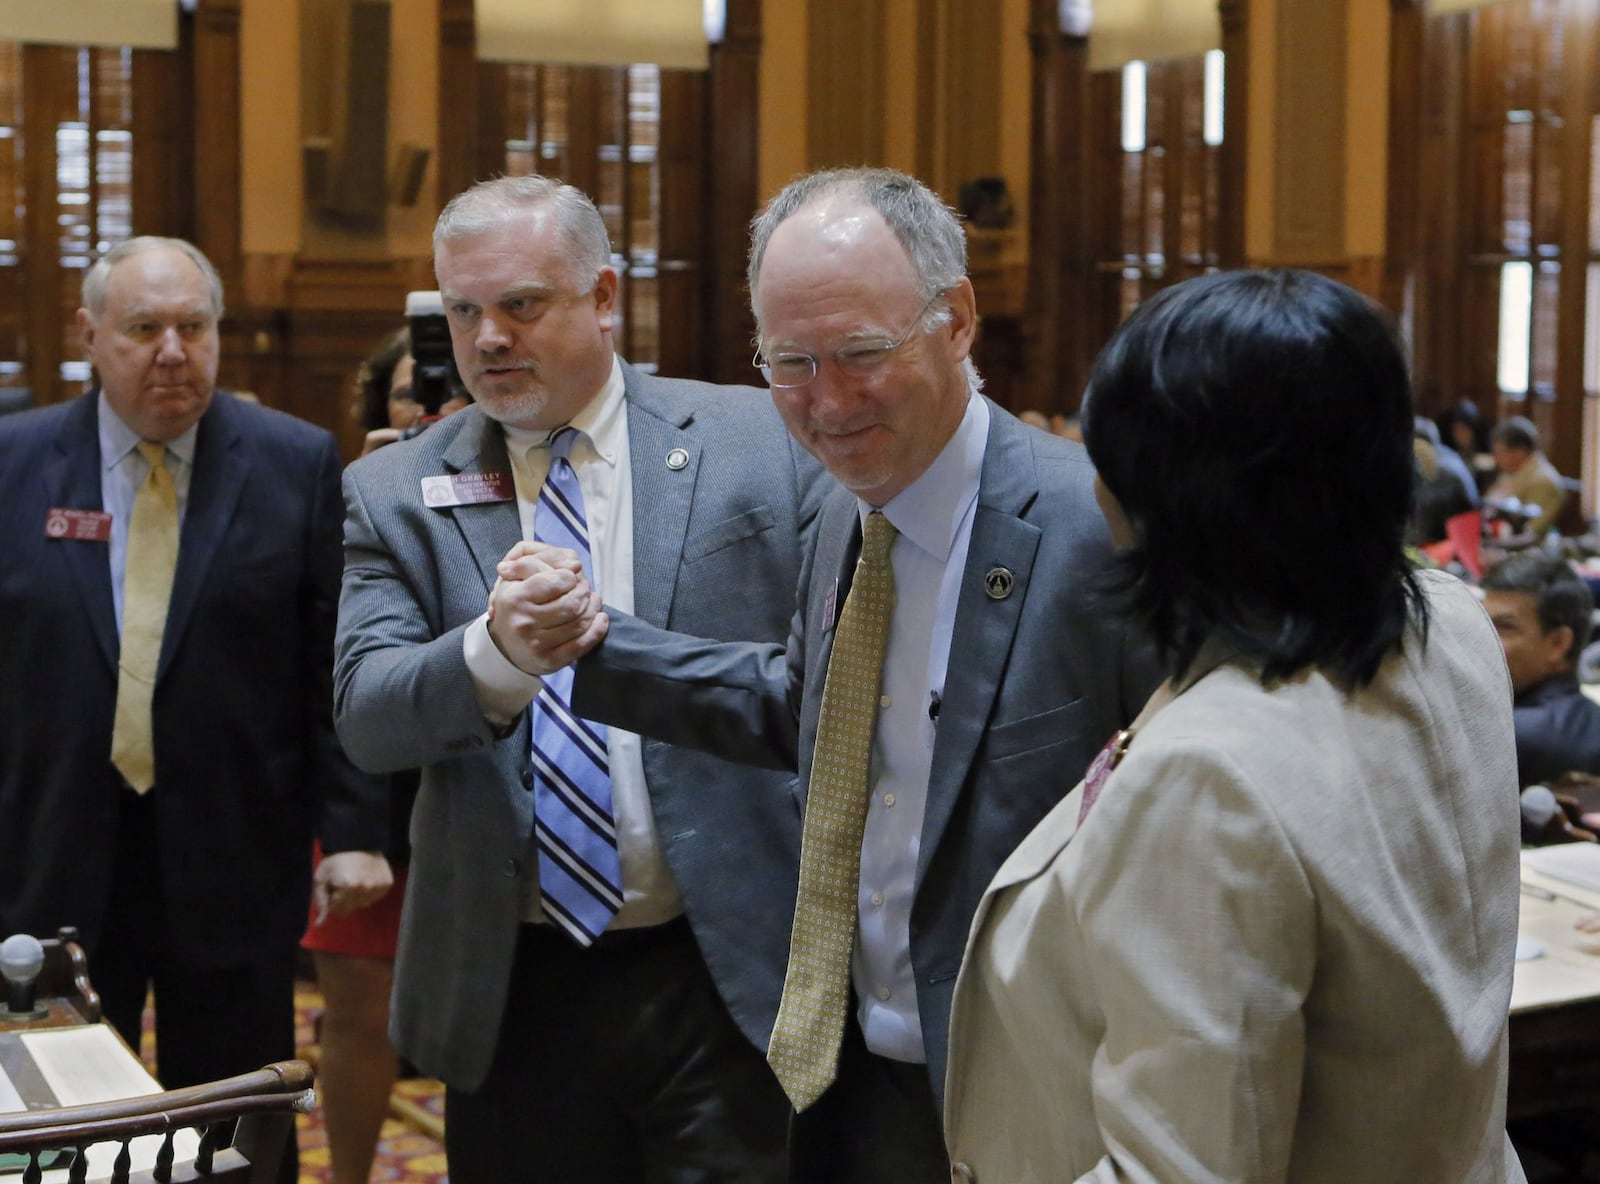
(409, 1150)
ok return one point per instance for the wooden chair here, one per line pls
(244, 1124)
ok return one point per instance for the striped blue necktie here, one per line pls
(580, 875)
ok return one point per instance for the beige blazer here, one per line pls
(1278, 948)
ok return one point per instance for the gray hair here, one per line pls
(929, 231)
(99, 273)
(487, 204)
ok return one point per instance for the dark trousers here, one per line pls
(211, 1022)
(878, 1123)
(617, 1064)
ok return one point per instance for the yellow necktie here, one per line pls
(804, 1050)
(146, 589)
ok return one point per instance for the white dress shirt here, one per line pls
(600, 457)
(122, 471)
(933, 516)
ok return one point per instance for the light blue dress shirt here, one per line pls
(122, 471)
(934, 518)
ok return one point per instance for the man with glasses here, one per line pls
(586, 958)
(949, 675)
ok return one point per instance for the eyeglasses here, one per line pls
(783, 371)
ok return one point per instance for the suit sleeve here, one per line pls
(1200, 928)
(354, 807)
(403, 698)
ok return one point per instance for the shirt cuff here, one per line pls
(503, 690)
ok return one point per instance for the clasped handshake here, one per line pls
(543, 612)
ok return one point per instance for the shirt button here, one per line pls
(884, 701)
(884, 993)
(888, 799)
(513, 868)
(877, 898)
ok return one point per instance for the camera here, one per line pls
(435, 380)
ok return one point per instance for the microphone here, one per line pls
(21, 959)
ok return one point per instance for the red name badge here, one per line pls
(467, 489)
(84, 526)
(1100, 770)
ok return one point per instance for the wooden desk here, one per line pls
(1555, 1003)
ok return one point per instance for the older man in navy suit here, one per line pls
(166, 624)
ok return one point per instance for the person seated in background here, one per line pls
(1543, 611)
(1204, 964)
(1526, 474)
(1439, 495)
(1462, 428)
(1035, 419)
(1450, 460)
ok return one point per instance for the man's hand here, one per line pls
(349, 880)
(543, 614)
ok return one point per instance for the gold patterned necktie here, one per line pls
(804, 1050)
(146, 589)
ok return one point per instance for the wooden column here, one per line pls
(458, 100)
(732, 193)
(1401, 258)
(1060, 265)
(1234, 153)
(1579, 64)
(217, 174)
(686, 176)
(43, 296)
(163, 159)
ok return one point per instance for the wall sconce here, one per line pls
(714, 13)
(1075, 16)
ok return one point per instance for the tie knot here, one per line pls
(876, 538)
(153, 451)
(562, 441)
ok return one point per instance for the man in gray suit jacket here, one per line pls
(1001, 675)
(628, 1050)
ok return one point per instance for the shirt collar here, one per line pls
(601, 421)
(117, 439)
(930, 510)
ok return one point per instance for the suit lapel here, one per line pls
(489, 528)
(985, 627)
(72, 481)
(222, 464)
(662, 495)
(838, 547)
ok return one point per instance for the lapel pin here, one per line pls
(998, 582)
(677, 459)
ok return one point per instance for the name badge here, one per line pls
(467, 489)
(82, 526)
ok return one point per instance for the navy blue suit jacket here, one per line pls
(247, 765)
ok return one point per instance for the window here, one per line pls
(66, 196)
(1159, 216)
(598, 128)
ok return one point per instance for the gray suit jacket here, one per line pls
(1037, 681)
(717, 550)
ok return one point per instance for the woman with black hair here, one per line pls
(1270, 936)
